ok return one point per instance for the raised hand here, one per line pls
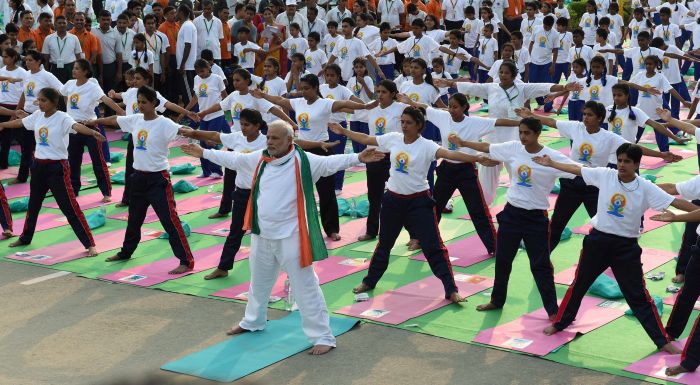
(543, 160)
(327, 146)
(524, 112)
(336, 128)
(664, 114)
(664, 216)
(370, 155)
(454, 139)
(193, 149)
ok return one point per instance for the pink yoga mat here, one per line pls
(10, 172)
(185, 206)
(44, 222)
(220, 229)
(671, 300)
(355, 189)
(90, 201)
(69, 251)
(463, 253)
(655, 366)
(114, 135)
(17, 190)
(157, 272)
(525, 333)
(413, 300)
(330, 269)
(349, 231)
(649, 225)
(172, 162)
(649, 163)
(651, 259)
(648, 138)
(357, 169)
(202, 182)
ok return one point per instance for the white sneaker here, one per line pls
(450, 204)
(216, 175)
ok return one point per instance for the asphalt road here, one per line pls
(72, 330)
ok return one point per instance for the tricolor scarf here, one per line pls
(312, 246)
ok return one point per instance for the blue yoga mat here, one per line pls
(247, 353)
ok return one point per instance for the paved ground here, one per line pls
(72, 330)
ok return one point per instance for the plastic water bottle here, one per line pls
(288, 299)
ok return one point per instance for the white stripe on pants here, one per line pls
(267, 256)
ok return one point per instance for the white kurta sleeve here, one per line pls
(328, 165)
(234, 160)
(474, 89)
(534, 90)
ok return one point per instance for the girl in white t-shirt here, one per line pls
(439, 73)
(408, 202)
(362, 86)
(10, 93)
(140, 56)
(589, 23)
(83, 94)
(576, 102)
(50, 169)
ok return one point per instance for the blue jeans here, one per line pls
(216, 125)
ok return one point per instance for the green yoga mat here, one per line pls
(247, 353)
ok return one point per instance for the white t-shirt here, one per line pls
(33, 83)
(209, 33)
(454, 9)
(690, 190)
(337, 93)
(646, 101)
(390, 10)
(498, 7)
(294, 45)
(419, 47)
(493, 72)
(694, 27)
(235, 102)
(527, 27)
(368, 34)
(347, 50)
(530, 183)
(472, 31)
(420, 93)
(409, 162)
(624, 126)
(561, 12)
(130, 99)
(590, 150)
(187, 34)
(246, 60)
(379, 45)
(151, 138)
(585, 53)
(598, 92)
(61, 49)
(668, 32)
(236, 141)
(470, 129)
(141, 59)
(621, 205)
(522, 59)
(638, 57)
(208, 93)
(670, 67)
(51, 134)
(636, 27)
(315, 60)
(607, 56)
(566, 41)
(543, 44)
(576, 95)
(313, 119)
(452, 62)
(83, 99)
(157, 44)
(359, 91)
(329, 42)
(589, 27)
(386, 120)
(10, 92)
(487, 47)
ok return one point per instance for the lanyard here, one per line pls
(311, 26)
(578, 53)
(642, 55)
(415, 43)
(58, 43)
(125, 39)
(561, 41)
(665, 32)
(154, 46)
(486, 42)
(510, 99)
(389, 6)
(529, 25)
(211, 25)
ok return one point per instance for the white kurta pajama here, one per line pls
(502, 104)
(277, 245)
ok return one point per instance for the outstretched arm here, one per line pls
(313, 144)
(278, 100)
(358, 137)
(108, 121)
(339, 105)
(210, 136)
(525, 113)
(686, 126)
(477, 146)
(17, 123)
(546, 161)
(669, 188)
(663, 130)
(83, 130)
(111, 104)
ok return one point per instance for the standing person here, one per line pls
(170, 28)
(393, 12)
(291, 16)
(313, 113)
(544, 50)
(362, 87)
(89, 44)
(408, 201)
(10, 93)
(350, 48)
(150, 181)
(613, 241)
(44, 30)
(83, 94)
(111, 72)
(157, 43)
(126, 45)
(186, 52)
(453, 13)
(504, 97)
(271, 35)
(210, 31)
(285, 228)
(61, 49)
(525, 216)
(50, 170)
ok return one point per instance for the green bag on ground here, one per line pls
(13, 158)
(343, 206)
(125, 137)
(185, 227)
(556, 188)
(658, 301)
(362, 209)
(566, 234)
(20, 205)
(651, 178)
(118, 178)
(606, 287)
(183, 186)
(115, 157)
(185, 168)
(96, 219)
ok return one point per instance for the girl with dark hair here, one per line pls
(589, 23)
(50, 170)
(408, 201)
(150, 181)
(313, 114)
(575, 105)
(140, 56)
(362, 87)
(9, 97)
(83, 95)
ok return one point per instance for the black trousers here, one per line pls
(5, 214)
(531, 227)
(236, 232)
(185, 86)
(465, 177)
(327, 201)
(63, 74)
(377, 175)
(687, 243)
(54, 176)
(76, 148)
(690, 357)
(572, 194)
(154, 189)
(417, 213)
(685, 301)
(28, 145)
(109, 72)
(6, 137)
(128, 170)
(623, 255)
(227, 196)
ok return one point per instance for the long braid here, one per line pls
(613, 113)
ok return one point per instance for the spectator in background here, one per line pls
(43, 30)
(126, 42)
(247, 21)
(89, 44)
(186, 53)
(292, 16)
(170, 28)
(25, 30)
(209, 31)
(111, 73)
(61, 49)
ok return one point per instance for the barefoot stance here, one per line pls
(549, 330)
(217, 215)
(361, 288)
(7, 234)
(365, 237)
(106, 199)
(17, 243)
(487, 307)
(318, 350)
(413, 245)
(121, 204)
(456, 298)
(115, 258)
(179, 270)
(335, 237)
(679, 278)
(91, 251)
(670, 348)
(218, 273)
(236, 330)
(676, 370)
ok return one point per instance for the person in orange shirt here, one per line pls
(371, 3)
(170, 28)
(60, 9)
(43, 30)
(434, 7)
(25, 30)
(88, 42)
(420, 5)
(225, 45)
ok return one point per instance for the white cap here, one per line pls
(291, 2)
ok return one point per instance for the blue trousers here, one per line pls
(675, 104)
(377, 175)
(575, 108)
(236, 232)
(337, 150)
(572, 194)
(627, 69)
(540, 74)
(471, 67)
(215, 125)
(559, 70)
(359, 127)
(389, 71)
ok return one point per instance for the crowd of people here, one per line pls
(395, 77)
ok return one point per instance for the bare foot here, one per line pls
(366, 237)
(361, 288)
(670, 349)
(217, 215)
(415, 245)
(487, 307)
(218, 273)
(107, 199)
(121, 204)
(116, 258)
(18, 243)
(318, 350)
(7, 234)
(676, 370)
(180, 269)
(91, 251)
(334, 236)
(679, 278)
(456, 298)
(549, 330)
(236, 330)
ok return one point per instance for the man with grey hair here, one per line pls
(285, 228)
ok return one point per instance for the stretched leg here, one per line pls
(38, 187)
(28, 146)
(391, 220)
(445, 186)
(687, 242)
(569, 199)
(226, 203)
(75, 159)
(377, 175)
(5, 215)
(488, 178)
(264, 270)
(59, 184)
(536, 239)
(479, 212)
(362, 128)
(128, 172)
(685, 301)
(160, 195)
(236, 233)
(137, 214)
(339, 149)
(507, 243)
(691, 353)
(99, 166)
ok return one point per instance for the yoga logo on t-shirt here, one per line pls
(416, 51)
(543, 42)
(617, 205)
(356, 89)
(203, 88)
(292, 49)
(585, 152)
(141, 139)
(135, 107)
(587, 22)
(380, 126)
(646, 93)
(309, 60)
(617, 125)
(524, 176)
(641, 63)
(236, 111)
(666, 61)
(451, 146)
(332, 47)
(43, 136)
(468, 28)
(344, 53)
(402, 160)
(30, 89)
(73, 100)
(414, 96)
(330, 96)
(595, 92)
(303, 121)
(4, 86)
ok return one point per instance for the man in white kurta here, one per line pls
(277, 245)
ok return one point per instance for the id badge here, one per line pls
(229, 46)
(59, 63)
(208, 43)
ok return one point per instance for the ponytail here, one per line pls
(613, 113)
